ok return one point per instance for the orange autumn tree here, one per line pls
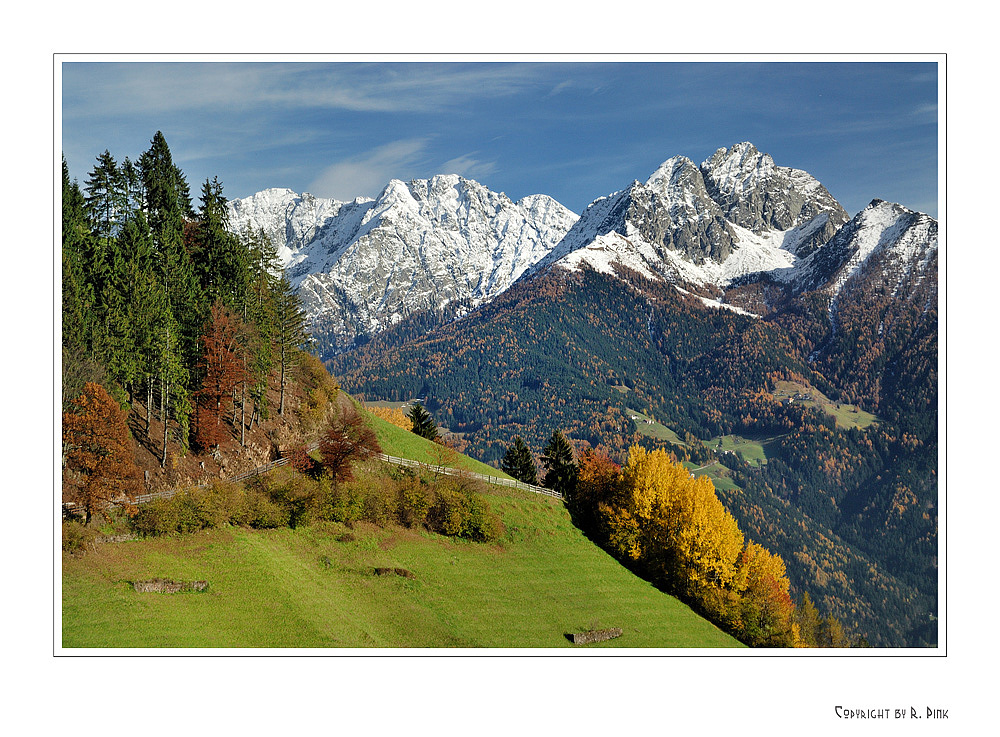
(766, 607)
(598, 483)
(347, 439)
(222, 369)
(99, 465)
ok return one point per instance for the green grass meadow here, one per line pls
(654, 430)
(315, 587)
(846, 415)
(753, 451)
(717, 472)
(396, 441)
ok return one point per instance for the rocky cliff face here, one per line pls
(736, 215)
(760, 196)
(698, 228)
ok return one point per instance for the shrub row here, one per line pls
(287, 498)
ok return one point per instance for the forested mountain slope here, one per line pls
(852, 511)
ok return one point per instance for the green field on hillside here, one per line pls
(652, 429)
(315, 587)
(715, 471)
(396, 441)
(846, 415)
(754, 452)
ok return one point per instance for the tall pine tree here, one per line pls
(422, 422)
(222, 261)
(557, 457)
(289, 334)
(77, 287)
(168, 208)
(518, 462)
(260, 312)
(104, 200)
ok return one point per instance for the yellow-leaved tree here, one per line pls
(392, 415)
(687, 536)
(766, 607)
(673, 526)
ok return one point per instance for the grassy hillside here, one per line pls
(846, 415)
(315, 587)
(396, 441)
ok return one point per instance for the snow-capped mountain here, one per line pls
(290, 220)
(362, 266)
(735, 215)
(451, 243)
(897, 242)
(762, 197)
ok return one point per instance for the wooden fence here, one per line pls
(448, 471)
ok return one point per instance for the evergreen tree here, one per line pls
(167, 191)
(146, 306)
(173, 379)
(264, 267)
(422, 423)
(518, 462)
(77, 289)
(222, 260)
(116, 341)
(168, 206)
(289, 333)
(557, 457)
(104, 202)
(259, 312)
(130, 187)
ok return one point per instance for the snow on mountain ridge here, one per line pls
(905, 238)
(756, 194)
(291, 220)
(735, 215)
(421, 245)
(418, 245)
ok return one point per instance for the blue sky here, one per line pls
(574, 130)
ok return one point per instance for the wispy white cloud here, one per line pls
(468, 167)
(109, 88)
(366, 175)
(564, 85)
(406, 87)
(119, 88)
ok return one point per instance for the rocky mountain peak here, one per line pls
(739, 167)
(760, 196)
(425, 244)
(901, 241)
